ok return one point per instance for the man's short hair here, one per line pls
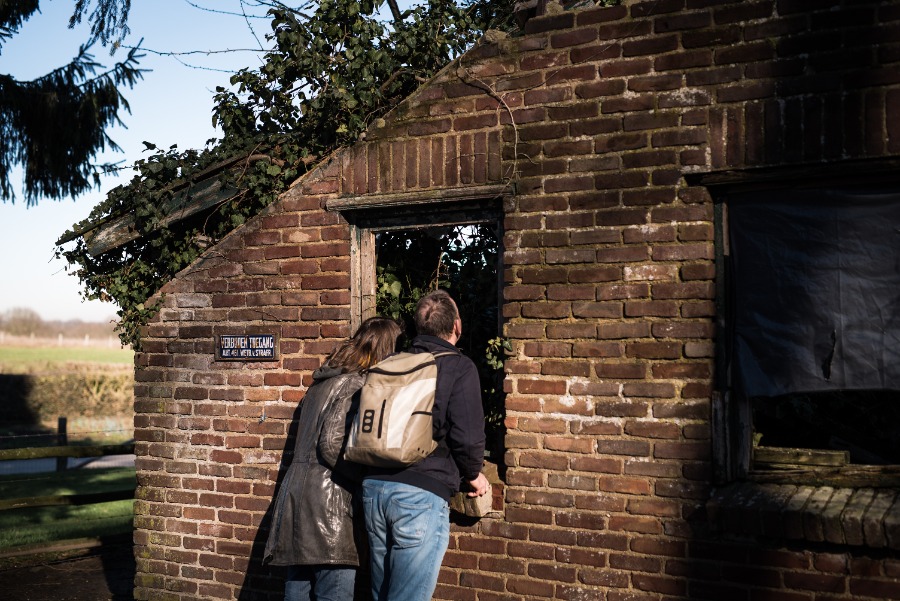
(435, 314)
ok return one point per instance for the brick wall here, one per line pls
(592, 118)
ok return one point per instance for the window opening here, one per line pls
(402, 244)
(850, 426)
(462, 259)
(811, 328)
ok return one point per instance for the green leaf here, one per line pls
(317, 89)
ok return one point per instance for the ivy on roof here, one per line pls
(330, 74)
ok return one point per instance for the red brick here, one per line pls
(544, 60)
(623, 447)
(627, 179)
(651, 309)
(621, 105)
(573, 330)
(615, 143)
(550, 23)
(424, 128)
(596, 89)
(815, 582)
(475, 122)
(655, 83)
(584, 72)
(658, 44)
(648, 389)
(570, 292)
(605, 273)
(619, 371)
(557, 573)
(754, 90)
(573, 38)
(659, 584)
(607, 578)
(601, 15)
(569, 445)
(541, 387)
(569, 184)
(871, 587)
(597, 349)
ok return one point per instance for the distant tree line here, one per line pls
(21, 321)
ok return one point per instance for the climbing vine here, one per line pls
(335, 68)
(332, 71)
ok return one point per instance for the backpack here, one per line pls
(393, 427)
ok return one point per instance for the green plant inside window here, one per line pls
(463, 260)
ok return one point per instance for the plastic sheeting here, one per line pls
(815, 290)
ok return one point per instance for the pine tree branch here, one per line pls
(83, 63)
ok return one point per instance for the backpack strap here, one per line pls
(442, 449)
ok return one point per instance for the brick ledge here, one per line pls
(866, 517)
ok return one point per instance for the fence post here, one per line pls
(62, 440)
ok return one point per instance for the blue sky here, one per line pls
(172, 105)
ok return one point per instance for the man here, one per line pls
(406, 510)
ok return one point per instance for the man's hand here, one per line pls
(479, 486)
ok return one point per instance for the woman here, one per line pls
(312, 527)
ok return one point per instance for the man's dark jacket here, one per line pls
(458, 425)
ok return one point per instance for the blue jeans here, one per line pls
(319, 583)
(409, 529)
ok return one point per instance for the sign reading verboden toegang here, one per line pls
(247, 347)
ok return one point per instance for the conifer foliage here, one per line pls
(55, 125)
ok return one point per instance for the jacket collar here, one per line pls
(325, 372)
(428, 342)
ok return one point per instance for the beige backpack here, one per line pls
(393, 427)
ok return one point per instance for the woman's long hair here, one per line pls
(374, 340)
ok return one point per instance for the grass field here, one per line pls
(92, 386)
(29, 359)
(36, 525)
(40, 381)
(40, 525)
(69, 482)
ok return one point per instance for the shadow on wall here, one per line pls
(826, 104)
(820, 109)
(263, 580)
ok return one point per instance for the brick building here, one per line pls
(610, 145)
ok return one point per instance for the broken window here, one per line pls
(809, 303)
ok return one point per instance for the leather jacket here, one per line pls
(312, 522)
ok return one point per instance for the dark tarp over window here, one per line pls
(816, 290)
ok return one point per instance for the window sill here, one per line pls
(865, 517)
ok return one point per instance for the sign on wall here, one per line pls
(247, 347)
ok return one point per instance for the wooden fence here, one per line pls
(62, 453)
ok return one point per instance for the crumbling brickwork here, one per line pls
(591, 120)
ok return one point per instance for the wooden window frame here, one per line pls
(369, 215)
